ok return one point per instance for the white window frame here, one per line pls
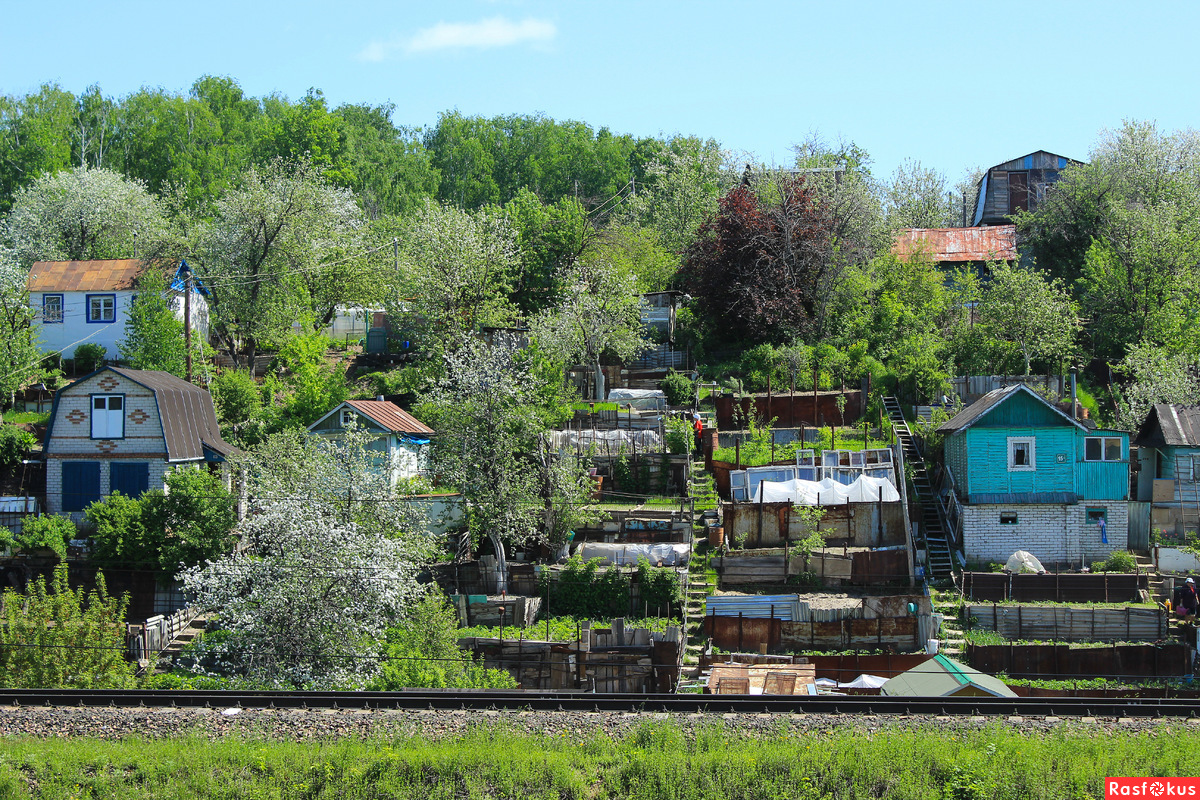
(1104, 440)
(107, 423)
(1027, 440)
(348, 417)
(107, 308)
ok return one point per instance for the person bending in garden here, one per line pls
(1186, 601)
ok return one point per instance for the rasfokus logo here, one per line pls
(1151, 787)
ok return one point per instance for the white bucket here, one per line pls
(931, 646)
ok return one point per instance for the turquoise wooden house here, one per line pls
(1026, 476)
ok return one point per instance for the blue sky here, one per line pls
(953, 85)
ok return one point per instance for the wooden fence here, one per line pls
(1071, 624)
(144, 640)
(1054, 660)
(1102, 587)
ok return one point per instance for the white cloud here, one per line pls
(487, 33)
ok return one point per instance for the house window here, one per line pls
(1102, 448)
(101, 308)
(52, 308)
(1008, 519)
(1021, 454)
(1096, 515)
(108, 416)
(347, 418)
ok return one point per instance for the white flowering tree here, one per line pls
(599, 311)
(85, 213)
(328, 558)
(19, 355)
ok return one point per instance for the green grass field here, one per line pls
(655, 760)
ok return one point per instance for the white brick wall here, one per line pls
(1053, 533)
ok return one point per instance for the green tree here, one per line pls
(679, 189)
(54, 637)
(20, 357)
(154, 336)
(189, 523)
(598, 312)
(35, 138)
(388, 167)
(1036, 315)
(316, 386)
(918, 197)
(549, 238)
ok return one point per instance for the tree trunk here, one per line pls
(599, 382)
(501, 565)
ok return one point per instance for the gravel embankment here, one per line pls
(119, 723)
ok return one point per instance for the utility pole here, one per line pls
(187, 317)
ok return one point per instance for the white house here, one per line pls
(398, 437)
(87, 302)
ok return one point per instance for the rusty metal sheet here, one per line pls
(993, 243)
(84, 276)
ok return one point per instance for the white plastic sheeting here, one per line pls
(827, 492)
(641, 399)
(863, 681)
(1022, 561)
(608, 442)
(669, 555)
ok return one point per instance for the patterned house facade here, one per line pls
(1027, 476)
(121, 430)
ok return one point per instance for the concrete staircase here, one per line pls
(931, 528)
(953, 640)
(194, 630)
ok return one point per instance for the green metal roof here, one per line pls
(940, 677)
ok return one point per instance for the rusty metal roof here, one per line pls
(1170, 425)
(390, 416)
(994, 243)
(84, 276)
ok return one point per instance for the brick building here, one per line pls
(121, 430)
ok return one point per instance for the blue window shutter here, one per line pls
(80, 484)
(131, 480)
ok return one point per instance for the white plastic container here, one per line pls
(931, 647)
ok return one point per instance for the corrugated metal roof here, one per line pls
(941, 676)
(995, 243)
(980, 408)
(390, 416)
(84, 276)
(189, 420)
(1170, 425)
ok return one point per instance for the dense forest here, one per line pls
(288, 209)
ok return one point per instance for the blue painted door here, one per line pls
(80, 484)
(131, 480)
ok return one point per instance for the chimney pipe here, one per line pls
(379, 397)
(1074, 413)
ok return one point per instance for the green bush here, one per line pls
(422, 653)
(680, 391)
(661, 590)
(89, 357)
(763, 362)
(583, 590)
(49, 531)
(678, 435)
(1118, 561)
(14, 444)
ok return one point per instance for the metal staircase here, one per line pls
(932, 527)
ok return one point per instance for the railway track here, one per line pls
(574, 701)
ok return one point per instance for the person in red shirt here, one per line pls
(698, 427)
(1186, 601)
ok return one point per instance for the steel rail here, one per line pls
(454, 700)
